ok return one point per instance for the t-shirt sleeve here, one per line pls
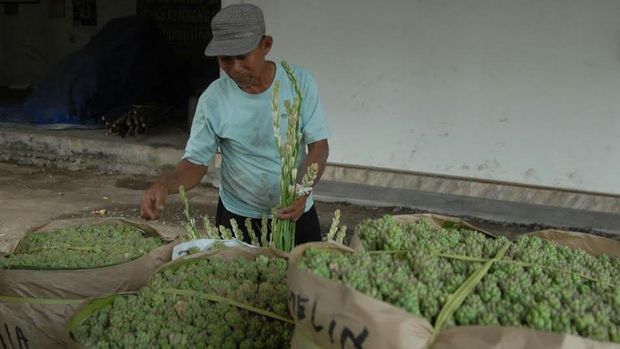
(313, 125)
(203, 141)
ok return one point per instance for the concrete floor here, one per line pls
(32, 196)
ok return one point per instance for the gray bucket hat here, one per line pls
(237, 29)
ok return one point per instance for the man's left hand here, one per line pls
(295, 211)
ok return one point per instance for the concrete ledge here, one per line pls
(86, 149)
(456, 205)
(471, 187)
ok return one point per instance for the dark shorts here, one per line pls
(307, 228)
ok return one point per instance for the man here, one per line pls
(235, 113)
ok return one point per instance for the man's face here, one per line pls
(245, 69)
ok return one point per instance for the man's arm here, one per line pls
(186, 174)
(317, 153)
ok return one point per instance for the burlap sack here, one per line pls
(329, 314)
(435, 220)
(36, 304)
(227, 253)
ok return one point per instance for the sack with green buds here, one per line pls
(427, 281)
(56, 268)
(231, 297)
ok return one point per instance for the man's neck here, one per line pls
(264, 80)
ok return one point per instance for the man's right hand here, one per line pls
(153, 201)
(185, 173)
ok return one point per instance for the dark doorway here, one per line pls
(187, 26)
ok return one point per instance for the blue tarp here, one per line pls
(127, 62)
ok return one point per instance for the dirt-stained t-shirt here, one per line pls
(241, 125)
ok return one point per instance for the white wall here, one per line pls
(524, 91)
(31, 41)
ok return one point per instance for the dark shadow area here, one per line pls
(136, 73)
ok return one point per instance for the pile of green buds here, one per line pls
(85, 246)
(536, 283)
(199, 303)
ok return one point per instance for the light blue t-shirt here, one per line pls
(241, 124)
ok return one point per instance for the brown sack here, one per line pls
(435, 220)
(36, 304)
(592, 244)
(227, 254)
(495, 337)
(329, 314)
